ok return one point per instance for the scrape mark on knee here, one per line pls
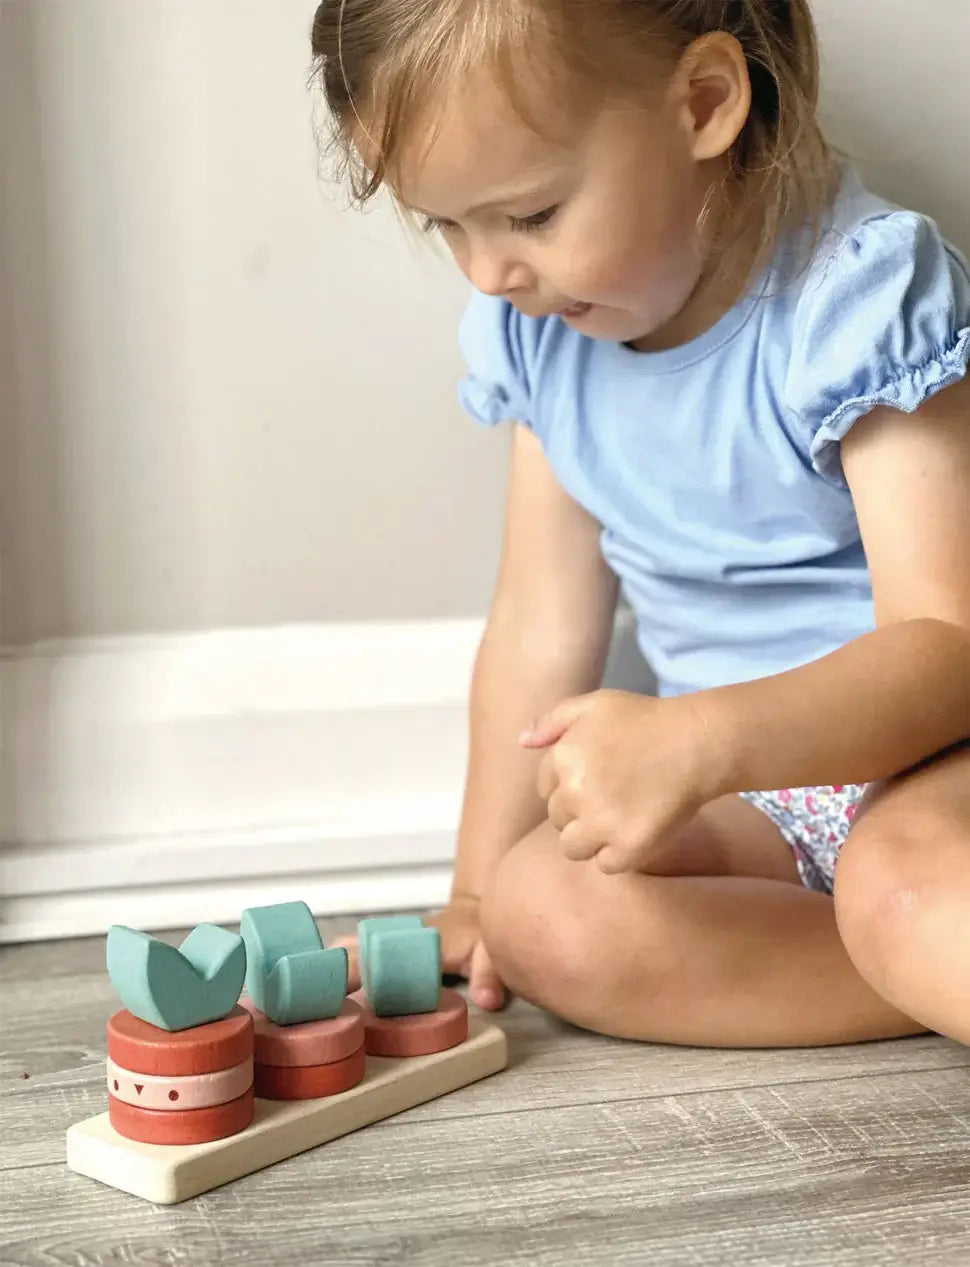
(906, 899)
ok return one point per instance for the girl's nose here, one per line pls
(495, 271)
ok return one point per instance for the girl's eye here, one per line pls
(530, 223)
(430, 225)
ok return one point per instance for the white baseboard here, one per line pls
(161, 781)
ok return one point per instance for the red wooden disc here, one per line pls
(143, 1048)
(191, 1126)
(309, 1042)
(310, 1082)
(419, 1035)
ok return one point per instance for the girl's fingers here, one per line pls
(551, 727)
(456, 964)
(578, 844)
(353, 967)
(559, 810)
(484, 985)
(613, 860)
(547, 778)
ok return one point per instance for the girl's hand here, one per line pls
(463, 952)
(622, 772)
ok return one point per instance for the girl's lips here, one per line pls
(577, 310)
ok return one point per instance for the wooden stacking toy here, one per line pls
(309, 1036)
(406, 1011)
(307, 1061)
(207, 1084)
(289, 975)
(177, 989)
(180, 1056)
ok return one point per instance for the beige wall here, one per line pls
(223, 399)
(896, 97)
(231, 400)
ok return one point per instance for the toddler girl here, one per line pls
(737, 386)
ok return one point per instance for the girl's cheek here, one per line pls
(587, 274)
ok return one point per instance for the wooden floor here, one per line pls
(586, 1151)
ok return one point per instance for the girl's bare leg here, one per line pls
(719, 946)
(902, 892)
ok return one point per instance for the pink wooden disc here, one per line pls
(309, 1042)
(193, 1126)
(310, 1082)
(201, 1091)
(143, 1048)
(419, 1035)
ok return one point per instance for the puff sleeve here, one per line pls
(495, 387)
(884, 321)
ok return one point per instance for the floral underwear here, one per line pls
(815, 822)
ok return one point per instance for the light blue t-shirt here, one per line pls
(714, 467)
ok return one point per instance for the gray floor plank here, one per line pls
(791, 1176)
(586, 1150)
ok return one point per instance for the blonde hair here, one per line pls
(383, 63)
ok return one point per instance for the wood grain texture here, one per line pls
(585, 1151)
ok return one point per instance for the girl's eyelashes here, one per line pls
(528, 224)
(518, 224)
(430, 225)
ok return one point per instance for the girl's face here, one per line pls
(601, 230)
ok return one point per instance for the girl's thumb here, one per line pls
(353, 965)
(484, 985)
(551, 727)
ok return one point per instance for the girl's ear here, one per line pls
(714, 91)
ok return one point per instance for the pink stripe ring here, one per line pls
(198, 1091)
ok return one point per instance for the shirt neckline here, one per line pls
(704, 345)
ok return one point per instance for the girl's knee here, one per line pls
(885, 880)
(531, 920)
(548, 925)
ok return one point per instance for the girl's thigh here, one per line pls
(728, 837)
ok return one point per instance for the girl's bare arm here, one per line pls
(547, 637)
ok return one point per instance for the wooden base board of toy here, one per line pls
(167, 1174)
